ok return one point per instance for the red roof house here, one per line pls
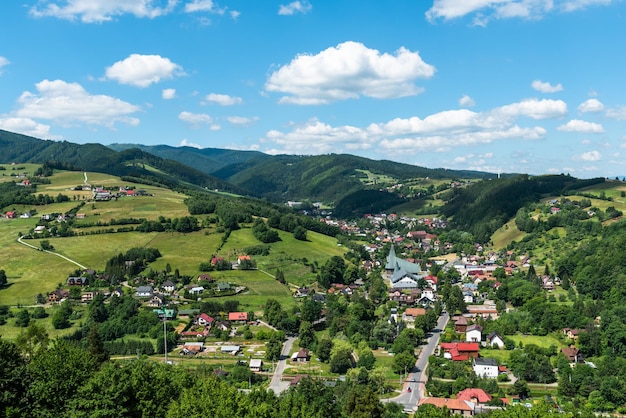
(474, 395)
(238, 316)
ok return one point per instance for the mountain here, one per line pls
(208, 160)
(328, 178)
(131, 162)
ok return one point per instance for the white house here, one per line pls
(474, 333)
(169, 286)
(485, 367)
(144, 291)
(494, 340)
(196, 290)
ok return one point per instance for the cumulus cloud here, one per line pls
(196, 120)
(467, 101)
(97, 11)
(223, 99)
(203, 6)
(590, 156)
(69, 103)
(485, 10)
(3, 62)
(577, 125)
(617, 113)
(185, 143)
(26, 126)
(168, 94)
(348, 71)
(143, 70)
(591, 105)
(535, 109)
(545, 87)
(437, 132)
(292, 8)
(241, 121)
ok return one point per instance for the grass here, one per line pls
(506, 234)
(10, 331)
(541, 341)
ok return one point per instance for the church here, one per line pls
(402, 274)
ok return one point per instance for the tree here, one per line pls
(14, 380)
(61, 317)
(341, 361)
(33, 340)
(306, 336)
(403, 362)
(323, 349)
(3, 278)
(273, 347)
(299, 233)
(22, 318)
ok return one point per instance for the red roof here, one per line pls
(205, 317)
(238, 316)
(473, 393)
(451, 404)
(468, 347)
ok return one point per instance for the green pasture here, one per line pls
(506, 234)
(544, 341)
(10, 331)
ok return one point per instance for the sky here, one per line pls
(523, 86)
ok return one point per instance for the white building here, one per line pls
(485, 367)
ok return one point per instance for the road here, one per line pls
(51, 252)
(277, 384)
(413, 389)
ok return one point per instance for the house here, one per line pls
(468, 296)
(302, 292)
(222, 287)
(484, 311)
(230, 349)
(474, 395)
(77, 281)
(216, 260)
(256, 365)
(58, 295)
(455, 406)
(192, 348)
(410, 314)
(203, 320)
(205, 277)
(39, 229)
(460, 325)
(572, 334)
(474, 333)
(238, 316)
(156, 301)
(118, 292)
(460, 351)
(222, 325)
(165, 313)
(302, 356)
(573, 354)
(144, 291)
(169, 286)
(11, 215)
(494, 339)
(87, 296)
(242, 258)
(485, 367)
(196, 290)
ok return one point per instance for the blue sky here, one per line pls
(532, 86)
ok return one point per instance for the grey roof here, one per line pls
(485, 362)
(144, 289)
(395, 263)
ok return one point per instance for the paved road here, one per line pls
(416, 380)
(277, 384)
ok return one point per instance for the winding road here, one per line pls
(51, 252)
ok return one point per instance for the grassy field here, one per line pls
(10, 331)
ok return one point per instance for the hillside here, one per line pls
(132, 163)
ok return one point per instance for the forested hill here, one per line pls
(485, 206)
(207, 160)
(327, 177)
(133, 163)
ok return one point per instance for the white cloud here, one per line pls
(591, 105)
(467, 101)
(185, 143)
(97, 11)
(203, 6)
(223, 99)
(590, 156)
(143, 70)
(485, 10)
(535, 109)
(241, 121)
(292, 8)
(3, 62)
(617, 113)
(196, 120)
(168, 94)
(437, 132)
(347, 72)
(26, 126)
(545, 87)
(69, 103)
(577, 125)
(234, 14)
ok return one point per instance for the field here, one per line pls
(31, 272)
